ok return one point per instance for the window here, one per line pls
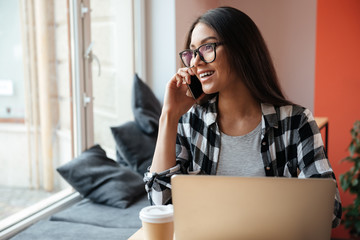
(35, 124)
(65, 79)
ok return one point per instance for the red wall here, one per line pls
(337, 79)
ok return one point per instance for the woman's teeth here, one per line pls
(206, 74)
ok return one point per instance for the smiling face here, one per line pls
(215, 76)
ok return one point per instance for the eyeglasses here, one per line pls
(207, 54)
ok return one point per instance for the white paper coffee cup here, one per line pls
(157, 222)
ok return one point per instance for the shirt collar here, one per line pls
(269, 116)
(211, 111)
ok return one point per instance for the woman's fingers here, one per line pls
(190, 71)
(178, 80)
(188, 93)
(184, 74)
(182, 77)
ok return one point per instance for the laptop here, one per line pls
(224, 207)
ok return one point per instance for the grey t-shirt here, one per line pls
(240, 155)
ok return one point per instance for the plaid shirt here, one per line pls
(291, 146)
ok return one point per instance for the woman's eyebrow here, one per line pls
(204, 40)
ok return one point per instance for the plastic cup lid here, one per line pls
(157, 214)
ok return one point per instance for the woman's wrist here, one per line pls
(169, 117)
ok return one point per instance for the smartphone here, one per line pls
(196, 90)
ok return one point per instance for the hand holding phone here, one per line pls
(196, 91)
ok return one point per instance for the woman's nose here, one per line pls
(197, 60)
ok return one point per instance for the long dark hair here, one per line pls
(246, 51)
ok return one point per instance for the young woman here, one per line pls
(247, 128)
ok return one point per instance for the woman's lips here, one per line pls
(205, 75)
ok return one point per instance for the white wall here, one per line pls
(288, 26)
(160, 42)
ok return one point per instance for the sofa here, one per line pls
(88, 220)
(113, 191)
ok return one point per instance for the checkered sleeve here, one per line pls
(158, 185)
(312, 159)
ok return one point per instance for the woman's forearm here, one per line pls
(164, 156)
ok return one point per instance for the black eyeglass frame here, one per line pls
(196, 51)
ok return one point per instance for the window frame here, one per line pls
(81, 82)
(81, 109)
(81, 120)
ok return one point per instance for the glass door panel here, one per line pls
(112, 67)
(35, 102)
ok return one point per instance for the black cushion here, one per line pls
(134, 147)
(101, 179)
(146, 107)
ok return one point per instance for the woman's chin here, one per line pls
(209, 91)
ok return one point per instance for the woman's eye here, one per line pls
(207, 47)
(187, 54)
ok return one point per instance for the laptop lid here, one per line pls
(224, 207)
